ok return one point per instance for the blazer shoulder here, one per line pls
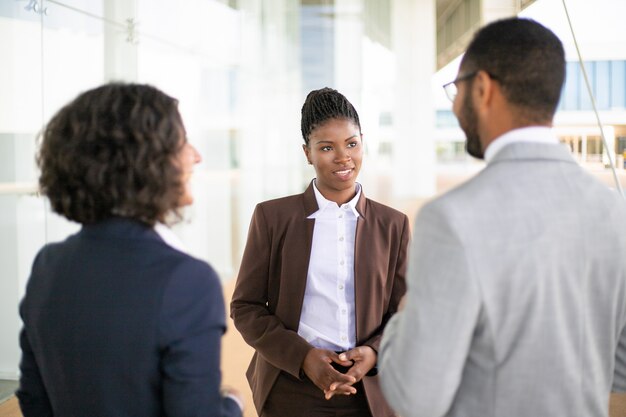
(185, 266)
(284, 207)
(283, 202)
(188, 280)
(52, 253)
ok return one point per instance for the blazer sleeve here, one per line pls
(265, 332)
(398, 287)
(32, 394)
(425, 346)
(192, 322)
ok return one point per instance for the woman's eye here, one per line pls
(352, 144)
(326, 148)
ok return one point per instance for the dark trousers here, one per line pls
(291, 397)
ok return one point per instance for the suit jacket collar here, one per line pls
(520, 151)
(528, 134)
(120, 227)
(310, 202)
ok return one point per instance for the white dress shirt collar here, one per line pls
(322, 202)
(169, 237)
(534, 134)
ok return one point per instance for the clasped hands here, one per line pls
(317, 366)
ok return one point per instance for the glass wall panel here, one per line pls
(618, 84)
(608, 82)
(584, 102)
(569, 98)
(317, 41)
(602, 83)
(21, 212)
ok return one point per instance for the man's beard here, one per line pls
(469, 125)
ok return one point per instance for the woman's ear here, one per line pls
(307, 152)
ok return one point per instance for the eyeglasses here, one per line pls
(451, 89)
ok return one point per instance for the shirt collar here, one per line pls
(534, 134)
(322, 202)
(169, 237)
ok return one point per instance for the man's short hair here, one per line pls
(527, 59)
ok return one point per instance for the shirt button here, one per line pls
(343, 311)
(341, 216)
(342, 262)
(341, 239)
(345, 207)
(343, 338)
(340, 287)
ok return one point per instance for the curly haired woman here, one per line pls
(116, 321)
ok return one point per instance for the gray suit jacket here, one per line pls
(516, 295)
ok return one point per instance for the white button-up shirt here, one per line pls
(327, 320)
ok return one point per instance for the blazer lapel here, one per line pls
(299, 256)
(362, 252)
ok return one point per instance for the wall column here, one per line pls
(413, 43)
(120, 53)
(499, 9)
(609, 135)
(348, 51)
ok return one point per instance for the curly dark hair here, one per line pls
(527, 58)
(111, 152)
(322, 105)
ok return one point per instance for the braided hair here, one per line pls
(323, 105)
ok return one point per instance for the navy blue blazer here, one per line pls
(117, 323)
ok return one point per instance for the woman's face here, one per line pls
(335, 150)
(187, 157)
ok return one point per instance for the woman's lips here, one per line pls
(344, 173)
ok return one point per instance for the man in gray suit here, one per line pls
(516, 297)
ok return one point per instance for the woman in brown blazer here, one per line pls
(321, 274)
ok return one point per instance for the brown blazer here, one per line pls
(268, 296)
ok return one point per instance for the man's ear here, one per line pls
(482, 91)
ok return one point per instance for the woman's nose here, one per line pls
(342, 156)
(197, 158)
